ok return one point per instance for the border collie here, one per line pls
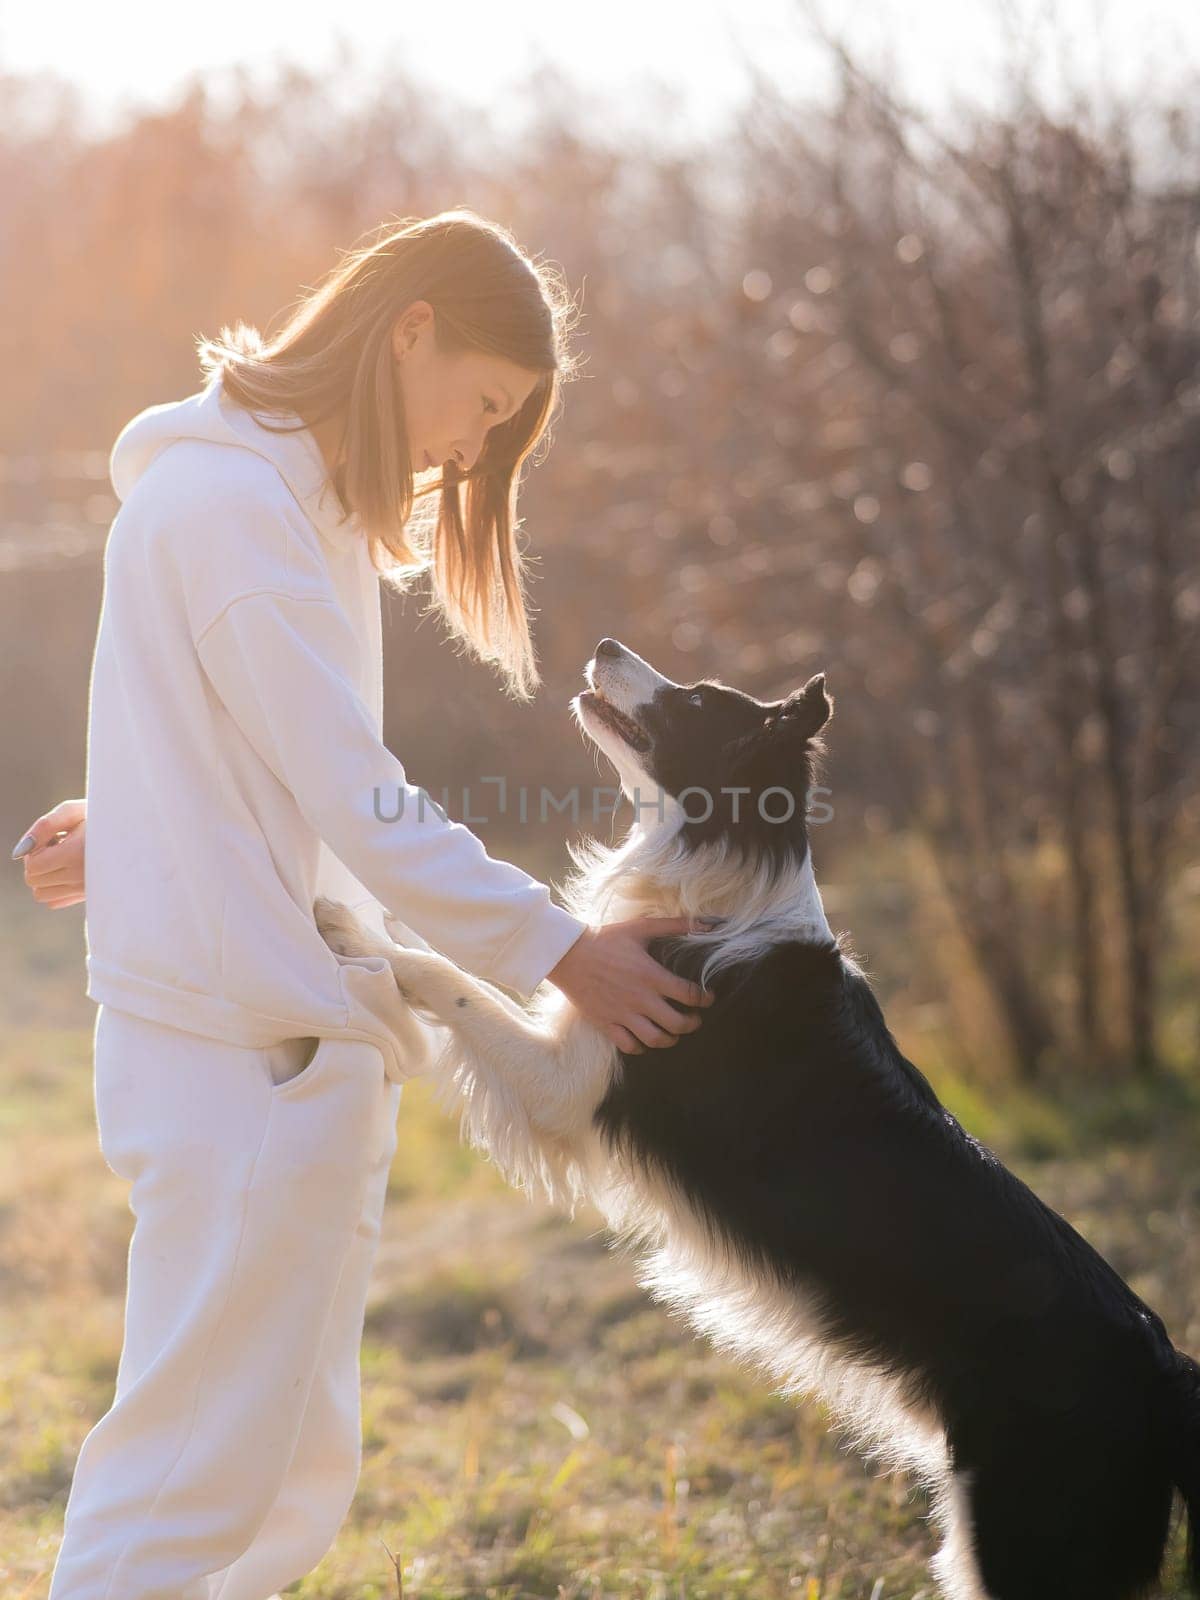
(794, 1185)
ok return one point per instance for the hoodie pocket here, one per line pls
(291, 1060)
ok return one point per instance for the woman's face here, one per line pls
(452, 401)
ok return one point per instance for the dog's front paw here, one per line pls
(428, 981)
(340, 928)
(407, 973)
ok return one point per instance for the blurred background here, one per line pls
(890, 335)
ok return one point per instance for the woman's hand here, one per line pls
(612, 979)
(53, 865)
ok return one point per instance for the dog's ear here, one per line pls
(787, 725)
(806, 710)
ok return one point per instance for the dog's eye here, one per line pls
(696, 698)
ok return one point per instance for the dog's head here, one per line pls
(735, 768)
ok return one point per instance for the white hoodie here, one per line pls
(235, 762)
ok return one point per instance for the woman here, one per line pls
(247, 1079)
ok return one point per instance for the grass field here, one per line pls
(533, 1425)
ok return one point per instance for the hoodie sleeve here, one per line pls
(283, 667)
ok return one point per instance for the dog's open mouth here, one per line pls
(631, 732)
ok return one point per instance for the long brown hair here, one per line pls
(334, 356)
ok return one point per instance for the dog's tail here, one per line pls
(1182, 1434)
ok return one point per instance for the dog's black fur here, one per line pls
(810, 1147)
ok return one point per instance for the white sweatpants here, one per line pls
(230, 1455)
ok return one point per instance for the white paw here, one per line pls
(340, 928)
(408, 973)
(428, 981)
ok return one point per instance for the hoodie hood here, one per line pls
(211, 415)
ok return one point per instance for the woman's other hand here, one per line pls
(612, 979)
(54, 865)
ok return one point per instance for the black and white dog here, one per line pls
(796, 1188)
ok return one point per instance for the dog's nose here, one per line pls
(608, 647)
